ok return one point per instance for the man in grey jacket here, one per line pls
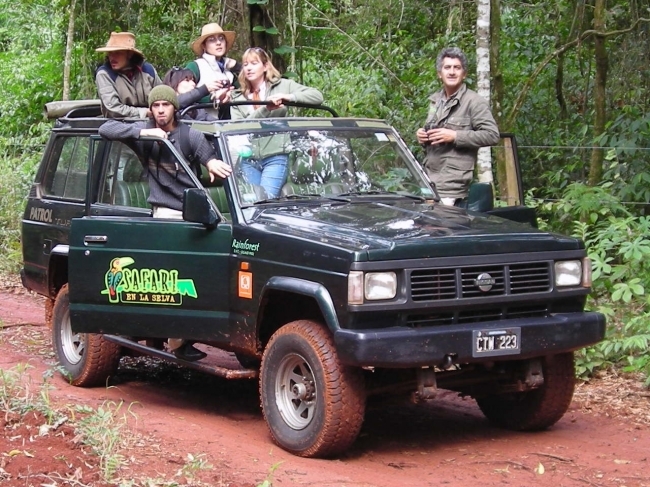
(124, 80)
(458, 124)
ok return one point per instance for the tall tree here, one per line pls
(67, 61)
(600, 91)
(484, 161)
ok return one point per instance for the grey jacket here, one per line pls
(451, 166)
(125, 97)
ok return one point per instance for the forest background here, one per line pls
(571, 78)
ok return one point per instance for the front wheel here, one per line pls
(87, 359)
(537, 409)
(313, 405)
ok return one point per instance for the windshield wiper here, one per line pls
(306, 196)
(374, 192)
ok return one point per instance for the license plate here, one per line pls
(488, 343)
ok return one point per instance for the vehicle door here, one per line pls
(508, 186)
(133, 275)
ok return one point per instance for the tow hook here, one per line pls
(427, 387)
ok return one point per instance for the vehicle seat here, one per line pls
(132, 194)
(480, 197)
(307, 174)
(218, 194)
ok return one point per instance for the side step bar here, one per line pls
(210, 369)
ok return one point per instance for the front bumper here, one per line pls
(402, 347)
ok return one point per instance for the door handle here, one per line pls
(95, 239)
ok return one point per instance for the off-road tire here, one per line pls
(86, 359)
(537, 409)
(313, 405)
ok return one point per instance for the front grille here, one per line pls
(532, 277)
(480, 281)
(433, 284)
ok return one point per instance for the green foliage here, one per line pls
(18, 162)
(105, 431)
(618, 244)
(194, 464)
(30, 63)
(268, 481)
(18, 394)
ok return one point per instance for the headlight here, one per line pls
(380, 285)
(372, 286)
(568, 273)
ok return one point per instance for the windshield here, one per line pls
(323, 163)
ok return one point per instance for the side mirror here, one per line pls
(197, 208)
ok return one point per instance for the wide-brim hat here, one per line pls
(211, 30)
(120, 41)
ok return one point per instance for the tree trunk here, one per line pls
(67, 61)
(498, 94)
(484, 162)
(600, 99)
(259, 18)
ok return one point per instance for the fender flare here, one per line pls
(307, 288)
(60, 251)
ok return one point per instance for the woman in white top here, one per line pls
(212, 64)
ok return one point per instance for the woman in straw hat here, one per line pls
(125, 79)
(212, 64)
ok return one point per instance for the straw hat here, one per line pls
(212, 30)
(120, 41)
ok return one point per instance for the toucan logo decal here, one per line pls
(145, 286)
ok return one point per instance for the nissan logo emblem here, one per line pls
(484, 282)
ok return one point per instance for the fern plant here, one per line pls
(618, 245)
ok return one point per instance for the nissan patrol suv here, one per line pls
(354, 281)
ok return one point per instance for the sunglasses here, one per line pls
(258, 50)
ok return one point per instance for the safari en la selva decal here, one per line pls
(145, 286)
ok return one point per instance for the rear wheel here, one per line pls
(537, 409)
(87, 359)
(313, 405)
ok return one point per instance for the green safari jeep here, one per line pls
(354, 281)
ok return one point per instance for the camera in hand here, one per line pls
(432, 125)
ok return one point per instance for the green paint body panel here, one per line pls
(266, 262)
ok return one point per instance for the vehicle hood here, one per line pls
(387, 230)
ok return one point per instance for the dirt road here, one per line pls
(604, 439)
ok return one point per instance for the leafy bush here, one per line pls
(18, 163)
(618, 244)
